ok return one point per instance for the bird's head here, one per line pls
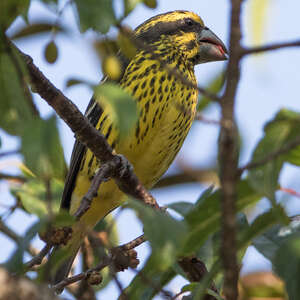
(186, 32)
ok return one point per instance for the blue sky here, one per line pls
(268, 83)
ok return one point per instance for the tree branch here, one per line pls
(10, 152)
(228, 157)
(126, 180)
(16, 238)
(12, 177)
(37, 260)
(190, 176)
(271, 47)
(116, 256)
(103, 174)
(271, 156)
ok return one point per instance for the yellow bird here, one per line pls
(166, 108)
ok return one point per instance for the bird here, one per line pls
(176, 40)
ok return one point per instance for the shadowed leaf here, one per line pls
(94, 14)
(122, 108)
(42, 150)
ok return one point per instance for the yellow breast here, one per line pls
(166, 110)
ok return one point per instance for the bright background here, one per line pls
(268, 83)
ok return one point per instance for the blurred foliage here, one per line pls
(214, 86)
(197, 230)
(261, 285)
(258, 18)
(278, 133)
(33, 195)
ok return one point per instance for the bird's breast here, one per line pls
(166, 111)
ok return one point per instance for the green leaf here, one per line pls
(51, 52)
(10, 9)
(205, 194)
(214, 86)
(123, 108)
(129, 6)
(293, 157)
(109, 225)
(95, 14)
(183, 208)
(246, 234)
(287, 265)
(281, 130)
(270, 241)
(141, 289)
(214, 294)
(150, 3)
(62, 218)
(189, 287)
(42, 150)
(75, 81)
(58, 256)
(259, 226)
(166, 234)
(36, 28)
(15, 110)
(33, 197)
(204, 219)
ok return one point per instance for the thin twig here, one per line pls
(106, 260)
(102, 174)
(271, 47)
(158, 289)
(12, 177)
(271, 156)
(16, 238)
(199, 117)
(83, 275)
(134, 243)
(37, 260)
(190, 176)
(178, 294)
(290, 191)
(7, 153)
(123, 294)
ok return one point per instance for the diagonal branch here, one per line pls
(126, 180)
(15, 237)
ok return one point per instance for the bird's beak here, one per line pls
(211, 47)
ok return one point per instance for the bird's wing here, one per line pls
(93, 113)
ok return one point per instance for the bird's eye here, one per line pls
(189, 22)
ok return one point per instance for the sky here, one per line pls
(268, 83)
